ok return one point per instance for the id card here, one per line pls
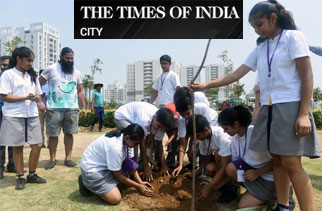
(240, 177)
(148, 152)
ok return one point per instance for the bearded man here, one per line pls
(64, 90)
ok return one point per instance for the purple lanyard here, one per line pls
(244, 147)
(269, 61)
(162, 81)
(209, 143)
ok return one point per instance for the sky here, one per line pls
(116, 53)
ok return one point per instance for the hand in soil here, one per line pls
(165, 171)
(204, 193)
(148, 184)
(148, 174)
(177, 171)
(145, 190)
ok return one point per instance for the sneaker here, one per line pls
(1, 172)
(35, 179)
(70, 163)
(21, 183)
(82, 189)
(50, 164)
(228, 195)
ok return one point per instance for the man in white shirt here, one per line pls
(166, 84)
(64, 90)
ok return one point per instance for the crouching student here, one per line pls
(252, 169)
(214, 145)
(105, 162)
(154, 122)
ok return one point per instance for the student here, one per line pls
(21, 93)
(153, 121)
(166, 83)
(183, 103)
(284, 125)
(214, 147)
(105, 162)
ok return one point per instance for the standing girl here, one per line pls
(105, 162)
(21, 93)
(284, 125)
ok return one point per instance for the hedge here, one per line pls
(109, 120)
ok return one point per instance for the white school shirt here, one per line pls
(202, 109)
(220, 141)
(62, 87)
(14, 83)
(200, 97)
(252, 158)
(286, 81)
(139, 113)
(166, 84)
(105, 153)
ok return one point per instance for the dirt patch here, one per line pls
(173, 194)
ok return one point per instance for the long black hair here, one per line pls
(266, 8)
(135, 132)
(23, 52)
(238, 113)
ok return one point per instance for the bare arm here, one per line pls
(224, 80)
(42, 80)
(13, 99)
(182, 149)
(81, 98)
(153, 96)
(303, 125)
(92, 104)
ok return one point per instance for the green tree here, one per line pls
(212, 93)
(237, 89)
(227, 61)
(96, 67)
(88, 83)
(12, 44)
(317, 94)
(113, 104)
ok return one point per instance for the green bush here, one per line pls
(318, 118)
(108, 119)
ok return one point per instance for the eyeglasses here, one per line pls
(164, 63)
(5, 65)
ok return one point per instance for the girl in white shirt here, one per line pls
(21, 93)
(105, 162)
(284, 125)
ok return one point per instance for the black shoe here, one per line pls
(50, 164)
(1, 172)
(35, 179)
(11, 169)
(82, 189)
(70, 163)
(228, 195)
(21, 183)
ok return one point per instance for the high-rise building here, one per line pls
(140, 77)
(187, 74)
(115, 92)
(214, 71)
(41, 38)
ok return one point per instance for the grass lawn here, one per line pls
(61, 190)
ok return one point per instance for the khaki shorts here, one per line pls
(61, 118)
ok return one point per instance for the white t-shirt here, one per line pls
(139, 113)
(285, 83)
(252, 158)
(220, 141)
(200, 97)
(14, 83)
(62, 87)
(166, 84)
(105, 153)
(200, 108)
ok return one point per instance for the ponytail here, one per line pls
(135, 132)
(266, 8)
(23, 52)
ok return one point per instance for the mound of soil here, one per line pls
(173, 194)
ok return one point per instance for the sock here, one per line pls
(31, 173)
(21, 176)
(283, 207)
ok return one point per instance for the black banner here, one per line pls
(146, 19)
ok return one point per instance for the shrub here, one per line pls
(317, 114)
(108, 119)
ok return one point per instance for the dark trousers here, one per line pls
(99, 116)
(3, 153)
